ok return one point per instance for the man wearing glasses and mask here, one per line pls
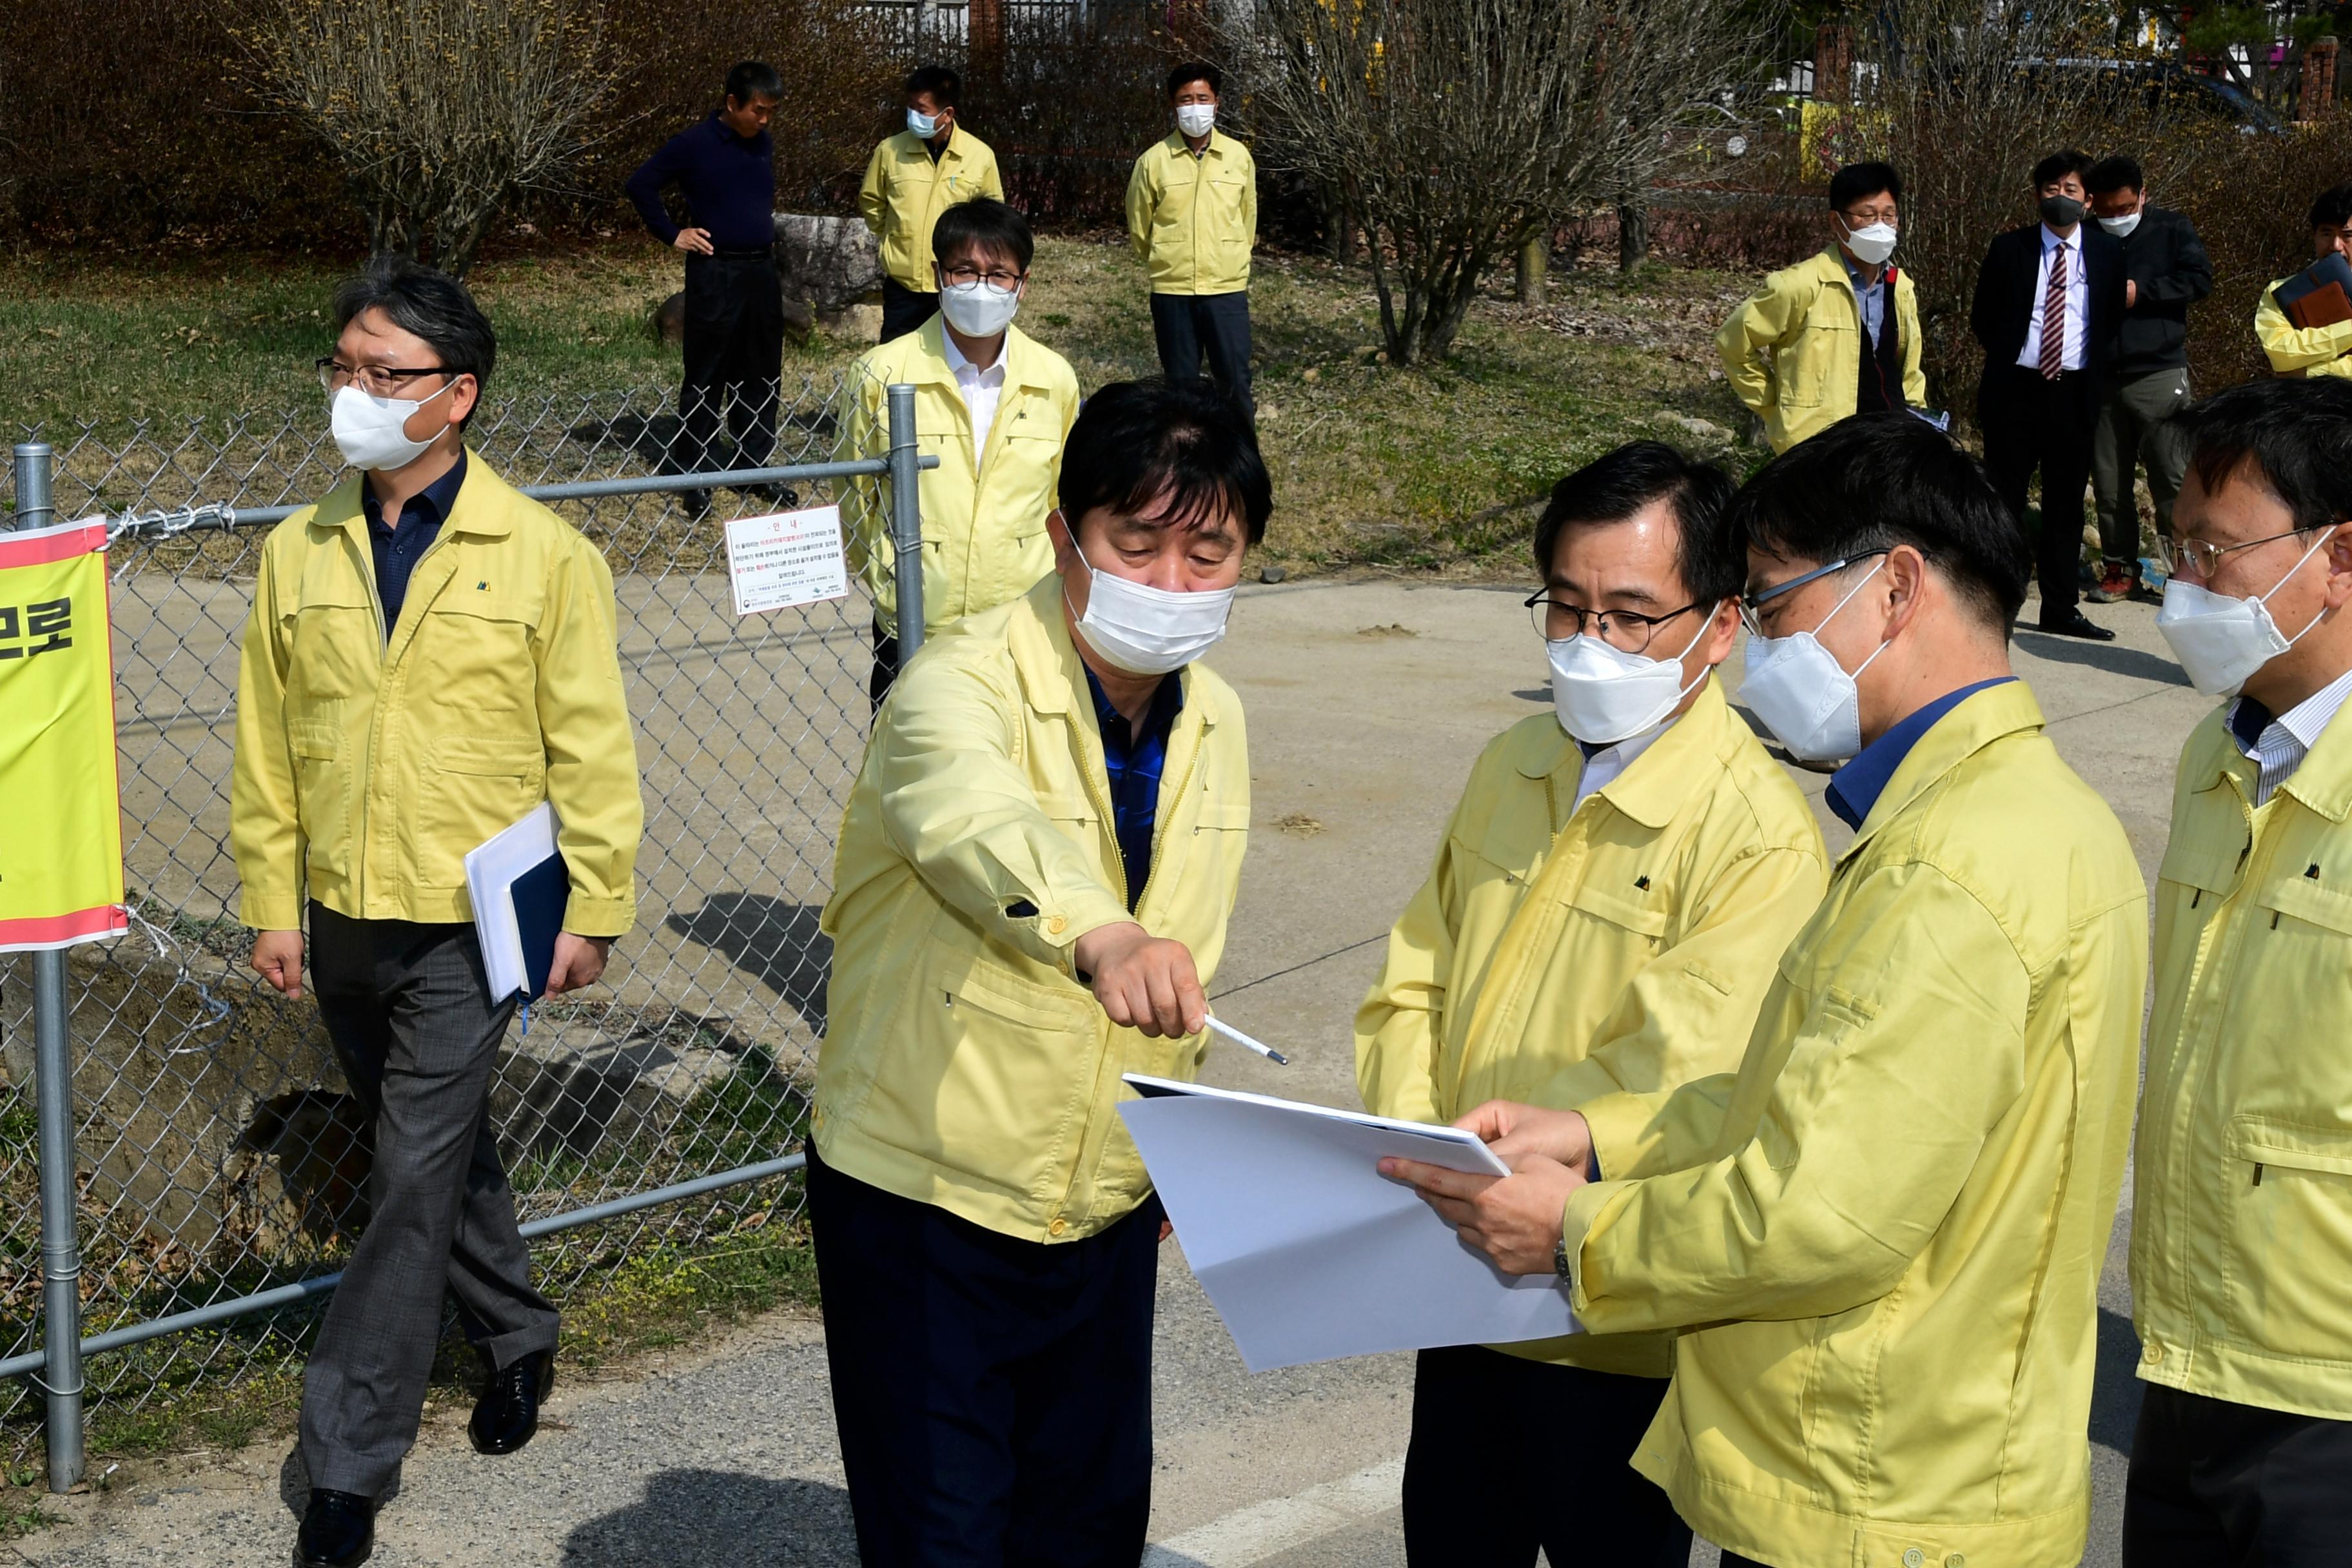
(429, 655)
(1605, 911)
(993, 404)
(1877, 1243)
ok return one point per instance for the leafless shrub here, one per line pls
(1456, 129)
(440, 110)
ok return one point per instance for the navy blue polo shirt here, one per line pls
(399, 548)
(1134, 756)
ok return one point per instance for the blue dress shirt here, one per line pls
(1133, 756)
(399, 548)
(1856, 787)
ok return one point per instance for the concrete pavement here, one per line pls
(1367, 702)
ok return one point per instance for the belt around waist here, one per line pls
(767, 255)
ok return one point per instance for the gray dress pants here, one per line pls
(408, 1008)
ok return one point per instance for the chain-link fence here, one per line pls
(221, 1162)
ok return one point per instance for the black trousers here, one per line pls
(1184, 326)
(2030, 422)
(1508, 1455)
(993, 1395)
(2218, 1485)
(886, 666)
(734, 361)
(408, 1009)
(905, 309)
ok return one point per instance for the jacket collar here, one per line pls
(2323, 780)
(484, 505)
(1219, 143)
(1024, 360)
(1994, 712)
(1661, 779)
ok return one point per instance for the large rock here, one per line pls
(829, 266)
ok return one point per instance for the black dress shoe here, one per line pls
(2078, 624)
(507, 1416)
(338, 1530)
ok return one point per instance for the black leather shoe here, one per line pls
(507, 1416)
(2078, 624)
(338, 1530)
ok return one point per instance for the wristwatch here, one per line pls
(1562, 1263)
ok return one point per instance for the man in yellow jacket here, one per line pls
(1608, 905)
(912, 178)
(1881, 1237)
(2241, 1224)
(1191, 214)
(2296, 350)
(1035, 874)
(430, 655)
(1835, 335)
(993, 404)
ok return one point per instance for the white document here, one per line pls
(1310, 1253)
(786, 558)
(491, 872)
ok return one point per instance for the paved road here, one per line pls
(1367, 702)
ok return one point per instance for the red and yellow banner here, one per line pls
(60, 812)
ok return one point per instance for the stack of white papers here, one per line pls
(524, 854)
(1310, 1253)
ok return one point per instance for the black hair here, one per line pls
(429, 303)
(2059, 164)
(940, 81)
(2334, 207)
(986, 225)
(2295, 438)
(2116, 172)
(1614, 486)
(1872, 481)
(1856, 181)
(1196, 70)
(748, 80)
(1136, 441)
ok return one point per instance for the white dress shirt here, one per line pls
(2286, 740)
(980, 389)
(1608, 763)
(2078, 302)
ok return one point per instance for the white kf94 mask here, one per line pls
(371, 433)
(2220, 641)
(1604, 694)
(1803, 695)
(1149, 631)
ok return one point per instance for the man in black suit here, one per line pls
(2048, 300)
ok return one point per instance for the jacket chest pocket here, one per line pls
(335, 647)
(474, 786)
(2287, 1225)
(1225, 197)
(1624, 914)
(2292, 970)
(473, 652)
(1823, 344)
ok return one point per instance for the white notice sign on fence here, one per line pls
(786, 558)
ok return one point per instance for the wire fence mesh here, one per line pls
(219, 1150)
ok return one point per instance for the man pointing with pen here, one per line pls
(1035, 870)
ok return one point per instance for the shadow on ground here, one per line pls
(2115, 660)
(715, 1518)
(773, 940)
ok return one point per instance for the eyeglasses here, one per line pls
(2201, 557)
(1749, 603)
(1556, 620)
(962, 274)
(375, 380)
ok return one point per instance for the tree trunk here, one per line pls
(1339, 227)
(1535, 262)
(1632, 235)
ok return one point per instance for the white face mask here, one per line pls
(979, 309)
(1149, 631)
(2221, 641)
(1872, 244)
(1196, 119)
(371, 433)
(1803, 695)
(2120, 226)
(923, 125)
(1604, 694)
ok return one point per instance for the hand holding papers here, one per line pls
(519, 889)
(1306, 1251)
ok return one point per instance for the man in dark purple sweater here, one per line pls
(725, 168)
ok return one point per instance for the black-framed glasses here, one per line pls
(375, 380)
(963, 275)
(1556, 620)
(2202, 557)
(1749, 603)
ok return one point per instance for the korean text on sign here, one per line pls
(785, 559)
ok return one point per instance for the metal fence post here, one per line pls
(905, 522)
(53, 1081)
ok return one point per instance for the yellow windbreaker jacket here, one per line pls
(962, 1063)
(1194, 220)
(2298, 351)
(984, 538)
(905, 192)
(1554, 959)
(368, 770)
(1882, 1236)
(1807, 317)
(2242, 1216)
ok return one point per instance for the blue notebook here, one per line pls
(519, 889)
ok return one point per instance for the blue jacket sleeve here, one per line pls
(644, 189)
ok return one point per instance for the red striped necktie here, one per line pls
(2053, 317)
